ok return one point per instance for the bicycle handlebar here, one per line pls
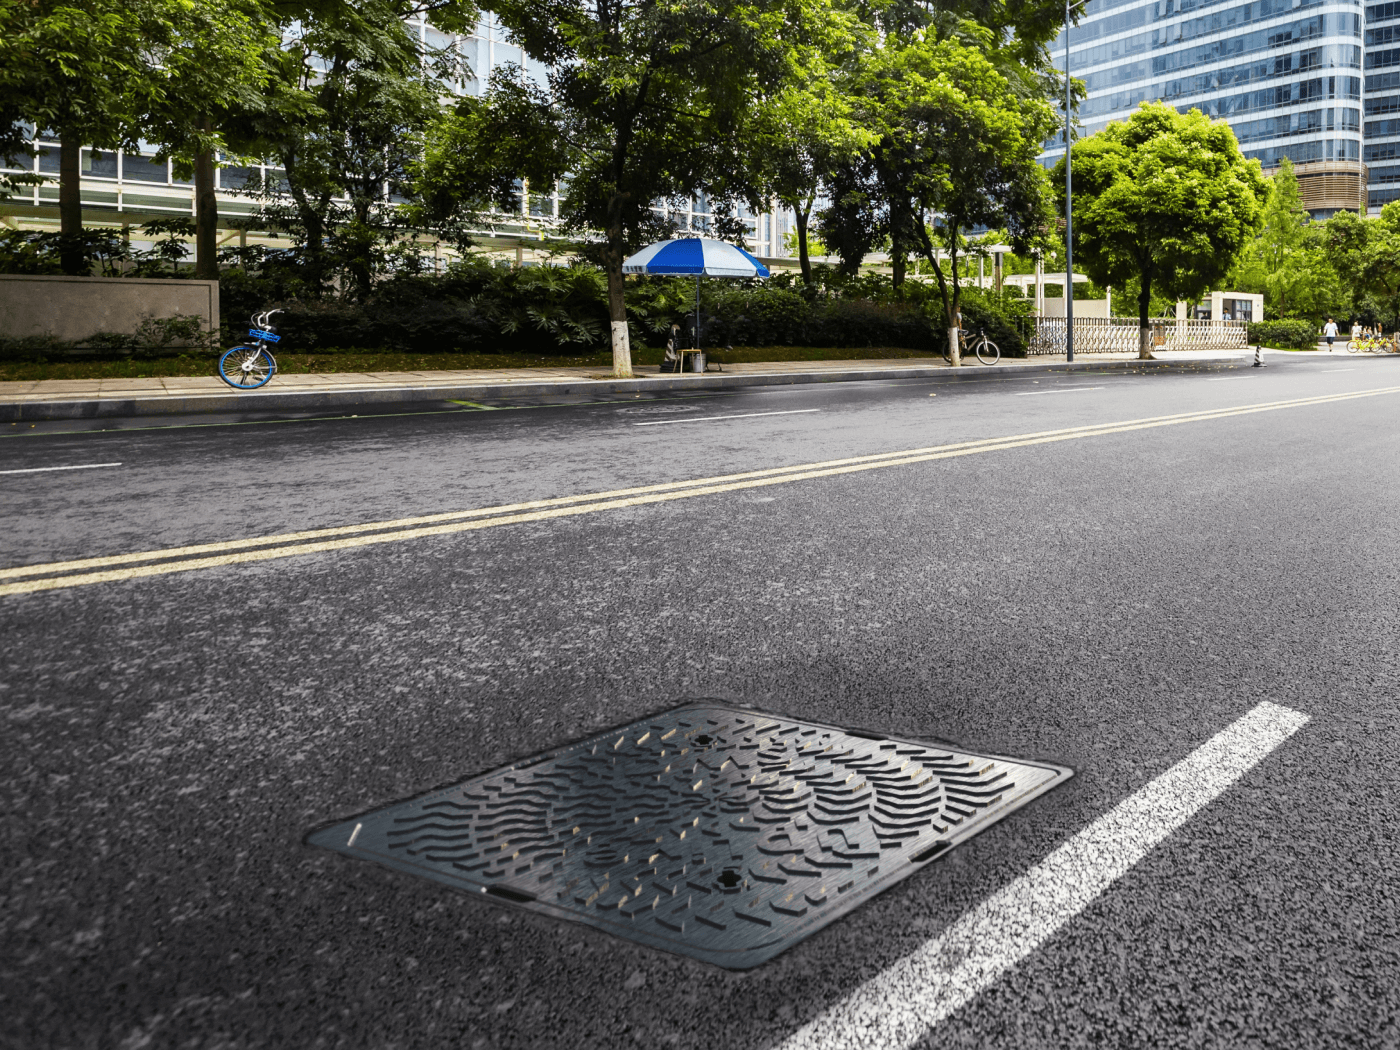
(264, 319)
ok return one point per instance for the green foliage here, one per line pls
(209, 73)
(1163, 197)
(478, 306)
(1367, 255)
(102, 250)
(1289, 262)
(1284, 334)
(82, 70)
(646, 103)
(343, 118)
(959, 125)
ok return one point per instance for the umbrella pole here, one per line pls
(697, 311)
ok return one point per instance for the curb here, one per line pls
(174, 404)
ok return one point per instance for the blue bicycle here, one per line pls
(250, 366)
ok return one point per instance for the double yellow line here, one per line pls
(84, 571)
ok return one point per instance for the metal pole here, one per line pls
(1069, 204)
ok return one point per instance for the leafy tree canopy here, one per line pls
(1367, 254)
(959, 130)
(1288, 262)
(1164, 197)
(647, 101)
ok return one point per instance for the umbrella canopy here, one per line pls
(694, 257)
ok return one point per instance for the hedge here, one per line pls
(477, 306)
(1284, 335)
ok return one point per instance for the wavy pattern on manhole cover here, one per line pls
(719, 833)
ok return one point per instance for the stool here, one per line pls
(681, 355)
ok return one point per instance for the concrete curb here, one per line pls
(272, 401)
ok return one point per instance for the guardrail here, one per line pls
(1119, 335)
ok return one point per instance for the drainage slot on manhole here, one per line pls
(937, 849)
(721, 834)
(506, 893)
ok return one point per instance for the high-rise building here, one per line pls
(1287, 75)
(1381, 150)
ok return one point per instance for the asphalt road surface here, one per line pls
(1111, 598)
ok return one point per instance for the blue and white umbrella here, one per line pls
(697, 257)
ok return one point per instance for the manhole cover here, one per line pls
(718, 833)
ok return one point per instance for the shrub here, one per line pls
(1284, 335)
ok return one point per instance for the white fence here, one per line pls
(1119, 335)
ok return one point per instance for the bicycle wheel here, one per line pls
(246, 367)
(1353, 345)
(988, 352)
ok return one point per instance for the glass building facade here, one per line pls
(1293, 78)
(1381, 94)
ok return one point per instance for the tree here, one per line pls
(80, 71)
(1163, 197)
(960, 125)
(803, 136)
(344, 118)
(969, 135)
(647, 102)
(1367, 252)
(1288, 262)
(214, 68)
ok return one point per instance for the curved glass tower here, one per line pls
(1286, 74)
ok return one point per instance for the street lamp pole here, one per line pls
(1069, 207)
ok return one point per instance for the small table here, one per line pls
(680, 354)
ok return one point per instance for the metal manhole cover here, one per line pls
(722, 834)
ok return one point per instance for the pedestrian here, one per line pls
(1329, 332)
(1355, 333)
(671, 362)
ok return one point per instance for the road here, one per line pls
(1109, 599)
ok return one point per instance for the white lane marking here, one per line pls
(741, 415)
(1336, 370)
(1228, 379)
(41, 470)
(1061, 390)
(898, 1007)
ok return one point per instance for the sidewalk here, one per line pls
(88, 398)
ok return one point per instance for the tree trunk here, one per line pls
(1144, 329)
(954, 300)
(617, 307)
(898, 264)
(206, 217)
(803, 259)
(70, 205)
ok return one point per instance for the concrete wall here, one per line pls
(1082, 308)
(74, 308)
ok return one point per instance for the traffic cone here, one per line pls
(1258, 356)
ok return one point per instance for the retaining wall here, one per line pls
(75, 308)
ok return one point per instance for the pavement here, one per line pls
(93, 398)
(1109, 570)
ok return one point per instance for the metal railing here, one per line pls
(1119, 335)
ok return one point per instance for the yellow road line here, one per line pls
(400, 523)
(570, 506)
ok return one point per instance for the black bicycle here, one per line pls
(251, 365)
(987, 351)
